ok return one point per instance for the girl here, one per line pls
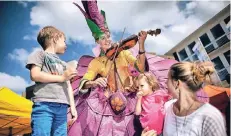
(150, 103)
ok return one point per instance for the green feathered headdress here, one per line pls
(96, 21)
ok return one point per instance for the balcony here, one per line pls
(222, 40)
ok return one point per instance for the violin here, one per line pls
(128, 43)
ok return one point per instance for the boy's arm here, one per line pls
(70, 94)
(39, 76)
(72, 103)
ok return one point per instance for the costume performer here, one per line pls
(104, 106)
(106, 109)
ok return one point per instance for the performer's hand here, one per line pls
(140, 94)
(147, 132)
(142, 37)
(102, 82)
(69, 73)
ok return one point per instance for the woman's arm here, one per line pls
(88, 79)
(99, 81)
(141, 57)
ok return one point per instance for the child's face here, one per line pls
(144, 87)
(60, 45)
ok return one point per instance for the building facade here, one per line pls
(214, 37)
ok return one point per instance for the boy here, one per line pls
(52, 93)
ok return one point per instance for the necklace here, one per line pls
(184, 123)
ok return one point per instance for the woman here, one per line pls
(186, 116)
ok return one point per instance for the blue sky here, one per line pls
(20, 22)
(15, 22)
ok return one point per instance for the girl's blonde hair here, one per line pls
(193, 74)
(150, 78)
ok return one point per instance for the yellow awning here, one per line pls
(15, 113)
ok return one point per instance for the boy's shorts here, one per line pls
(49, 119)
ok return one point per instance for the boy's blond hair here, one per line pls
(47, 34)
(150, 78)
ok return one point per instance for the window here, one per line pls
(194, 57)
(218, 64)
(227, 20)
(219, 35)
(209, 48)
(221, 70)
(187, 60)
(183, 55)
(222, 74)
(217, 31)
(227, 56)
(190, 46)
(175, 56)
(205, 39)
(222, 41)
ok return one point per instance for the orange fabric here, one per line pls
(212, 90)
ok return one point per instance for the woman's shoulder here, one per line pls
(169, 104)
(209, 111)
(214, 122)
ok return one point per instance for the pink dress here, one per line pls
(152, 115)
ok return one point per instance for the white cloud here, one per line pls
(26, 37)
(32, 36)
(204, 10)
(191, 5)
(135, 16)
(21, 55)
(63, 15)
(24, 4)
(15, 83)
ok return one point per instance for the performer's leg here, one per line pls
(41, 119)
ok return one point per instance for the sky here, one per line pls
(21, 21)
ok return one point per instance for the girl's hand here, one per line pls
(147, 132)
(140, 94)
